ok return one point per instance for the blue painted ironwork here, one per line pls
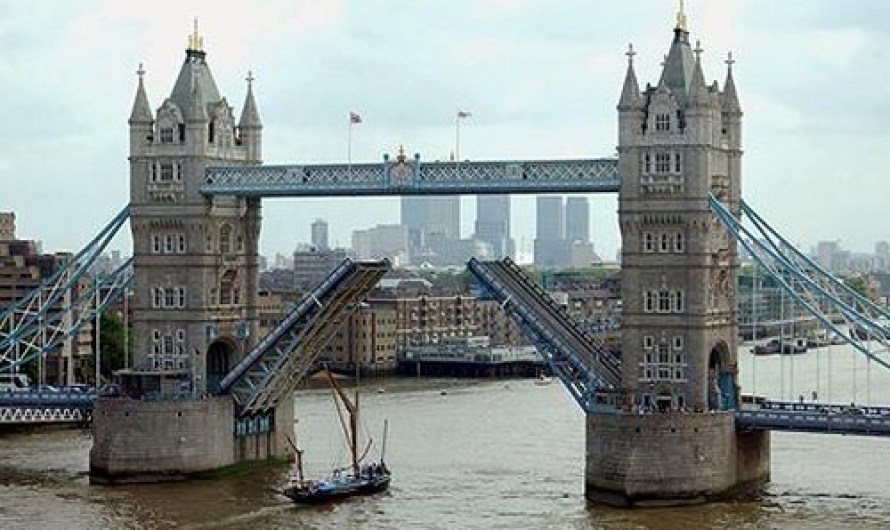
(46, 407)
(404, 177)
(21, 321)
(815, 418)
(47, 398)
(254, 424)
(48, 328)
(44, 415)
(271, 370)
(580, 360)
(822, 295)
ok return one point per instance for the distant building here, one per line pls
(368, 337)
(549, 232)
(320, 234)
(562, 236)
(382, 241)
(428, 221)
(313, 265)
(22, 269)
(493, 224)
(7, 226)
(578, 219)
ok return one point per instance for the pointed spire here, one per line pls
(698, 91)
(141, 110)
(681, 18)
(250, 115)
(730, 96)
(678, 64)
(195, 110)
(630, 93)
(196, 41)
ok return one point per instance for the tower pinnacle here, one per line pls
(196, 41)
(681, 18)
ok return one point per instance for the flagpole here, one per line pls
(349, 144)
(457, 137)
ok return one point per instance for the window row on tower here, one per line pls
(663, 301)
(168, 297)
(167, 171)
(664, 242)
(170, 243)
(168, 342)
(663, 361)
(661, 162)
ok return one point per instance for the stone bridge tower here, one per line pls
(196, 258)
(194, 309)
(679, 141)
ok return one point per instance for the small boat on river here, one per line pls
(356, 479)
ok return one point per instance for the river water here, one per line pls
(481, 454)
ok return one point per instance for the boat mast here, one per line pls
(352, 409)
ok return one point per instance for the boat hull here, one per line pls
(331, 491)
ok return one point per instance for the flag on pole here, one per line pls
(354, 118)
(463, 114)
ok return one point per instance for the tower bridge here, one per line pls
(212, 393)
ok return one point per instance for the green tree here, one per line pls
(862, 284)
(112, 338)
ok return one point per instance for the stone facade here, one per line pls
(675, 442)
(195, 308)
(673, 458)
(166, 440)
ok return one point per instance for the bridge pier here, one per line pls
(672, 458)
(152, 441)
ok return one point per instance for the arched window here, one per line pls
(679, 244)
(225, 239)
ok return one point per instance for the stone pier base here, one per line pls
(672, 459)
(148, 441)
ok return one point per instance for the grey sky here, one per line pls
(541, 78)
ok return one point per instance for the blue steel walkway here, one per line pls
(32, 407)
(413, 177)
(823, 418)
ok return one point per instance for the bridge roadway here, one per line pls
(581, 362)
(31, 407)
(822, 418)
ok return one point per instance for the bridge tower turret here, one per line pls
(678, 141)
(194, 308)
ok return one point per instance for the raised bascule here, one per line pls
(665, 423)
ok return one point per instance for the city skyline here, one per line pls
(810, 81)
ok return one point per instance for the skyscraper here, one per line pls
(320, 234)
(430, 222)
(550, 231)
(578, 219)
(493, 224)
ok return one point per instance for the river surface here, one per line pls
(481, 454)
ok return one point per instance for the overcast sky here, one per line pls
(541, 79)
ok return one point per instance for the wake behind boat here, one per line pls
(354, 480)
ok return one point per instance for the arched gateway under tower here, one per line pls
(679, 141)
